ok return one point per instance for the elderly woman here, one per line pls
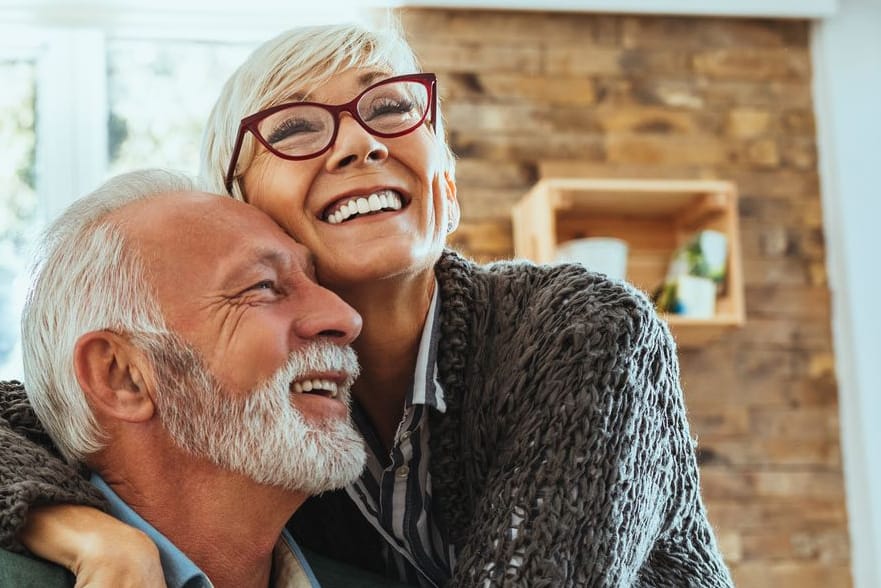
(525, 423)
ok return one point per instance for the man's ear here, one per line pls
(112, 374)
(452, 201)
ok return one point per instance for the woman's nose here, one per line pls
(354, 146)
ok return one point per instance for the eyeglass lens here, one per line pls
(386, 109)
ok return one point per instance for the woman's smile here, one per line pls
(372, 204)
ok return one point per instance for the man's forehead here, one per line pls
(194, 215)
(169, 206)
(178, 229)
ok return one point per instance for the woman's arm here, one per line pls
(31, 472)
(97, 548)
(595, 483)
(686, 550)
(48, 508)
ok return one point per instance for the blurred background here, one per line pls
(586, 114)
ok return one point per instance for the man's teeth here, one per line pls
(316, 386)
(381, 200)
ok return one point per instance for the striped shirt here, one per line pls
(394, 492)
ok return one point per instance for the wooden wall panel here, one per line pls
(530, 94)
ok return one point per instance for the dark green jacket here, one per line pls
(18, 571)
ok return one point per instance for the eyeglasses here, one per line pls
(303, 130)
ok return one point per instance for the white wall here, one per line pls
(847, 88)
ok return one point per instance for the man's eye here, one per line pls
(259, 292)
(264, 285)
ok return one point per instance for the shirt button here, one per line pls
(405, 435)
(403, 471)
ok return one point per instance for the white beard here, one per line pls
(261, 435)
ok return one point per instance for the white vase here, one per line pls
(605, 255)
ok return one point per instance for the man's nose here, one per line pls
(324, 314)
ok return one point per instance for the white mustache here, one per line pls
(318, 356)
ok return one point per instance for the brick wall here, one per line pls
(528, 95)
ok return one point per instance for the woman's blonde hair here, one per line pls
(294, 61)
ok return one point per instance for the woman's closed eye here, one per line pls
(292, 128)
(389, 106)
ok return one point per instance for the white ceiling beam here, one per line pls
(811, 9)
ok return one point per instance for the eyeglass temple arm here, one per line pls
(233, 161)
(434, 105)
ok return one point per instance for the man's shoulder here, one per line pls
(18, 571)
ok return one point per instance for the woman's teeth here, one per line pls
(381, 200)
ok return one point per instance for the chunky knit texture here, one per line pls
(32, 472)
(564, 458)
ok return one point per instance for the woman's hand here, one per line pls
(100, 550)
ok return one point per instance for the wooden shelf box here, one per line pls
(654, 217)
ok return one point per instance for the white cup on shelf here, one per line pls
(605, 255)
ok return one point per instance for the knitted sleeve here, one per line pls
(588, 470)
(31, 472)
(684, 554)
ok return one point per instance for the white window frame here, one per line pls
(72, 115)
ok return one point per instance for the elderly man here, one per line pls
(177, 344)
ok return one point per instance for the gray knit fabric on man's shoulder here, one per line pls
(564, 457)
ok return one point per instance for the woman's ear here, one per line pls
(454, 213)
(112, 374)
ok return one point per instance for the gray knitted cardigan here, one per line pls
(564, 457)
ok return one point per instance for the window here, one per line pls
(149, 96)
(100, 91)
(160, 94)
(18, 200)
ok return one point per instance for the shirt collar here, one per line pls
(426, 388)
(290, 568)
(179, 570)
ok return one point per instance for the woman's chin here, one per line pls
(371, 266)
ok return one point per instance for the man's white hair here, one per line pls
(86, 277)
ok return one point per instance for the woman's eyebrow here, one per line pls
(370, 77)
(364, 80)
